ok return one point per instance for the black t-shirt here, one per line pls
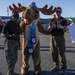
(11, 28)
(56, 31)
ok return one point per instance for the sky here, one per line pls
(68, 6)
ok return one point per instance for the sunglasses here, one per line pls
(58, 11)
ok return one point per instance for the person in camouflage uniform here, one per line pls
(12, 42)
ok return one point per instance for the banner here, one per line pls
(72, 32)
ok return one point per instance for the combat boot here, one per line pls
(55, 68)
(38, 71)
(64, 68)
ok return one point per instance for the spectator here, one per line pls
(57, 41)
(12, 43)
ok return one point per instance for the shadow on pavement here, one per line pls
(1, 73)
(44, 73)
(50, 73)
(69, 72)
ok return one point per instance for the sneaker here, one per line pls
(56, 68)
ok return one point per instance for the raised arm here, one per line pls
(42, 30)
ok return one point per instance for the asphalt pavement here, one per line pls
(46, 58)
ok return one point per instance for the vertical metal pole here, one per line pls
(7, 11)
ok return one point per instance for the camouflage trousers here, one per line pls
(57, 47)
(11, 53)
